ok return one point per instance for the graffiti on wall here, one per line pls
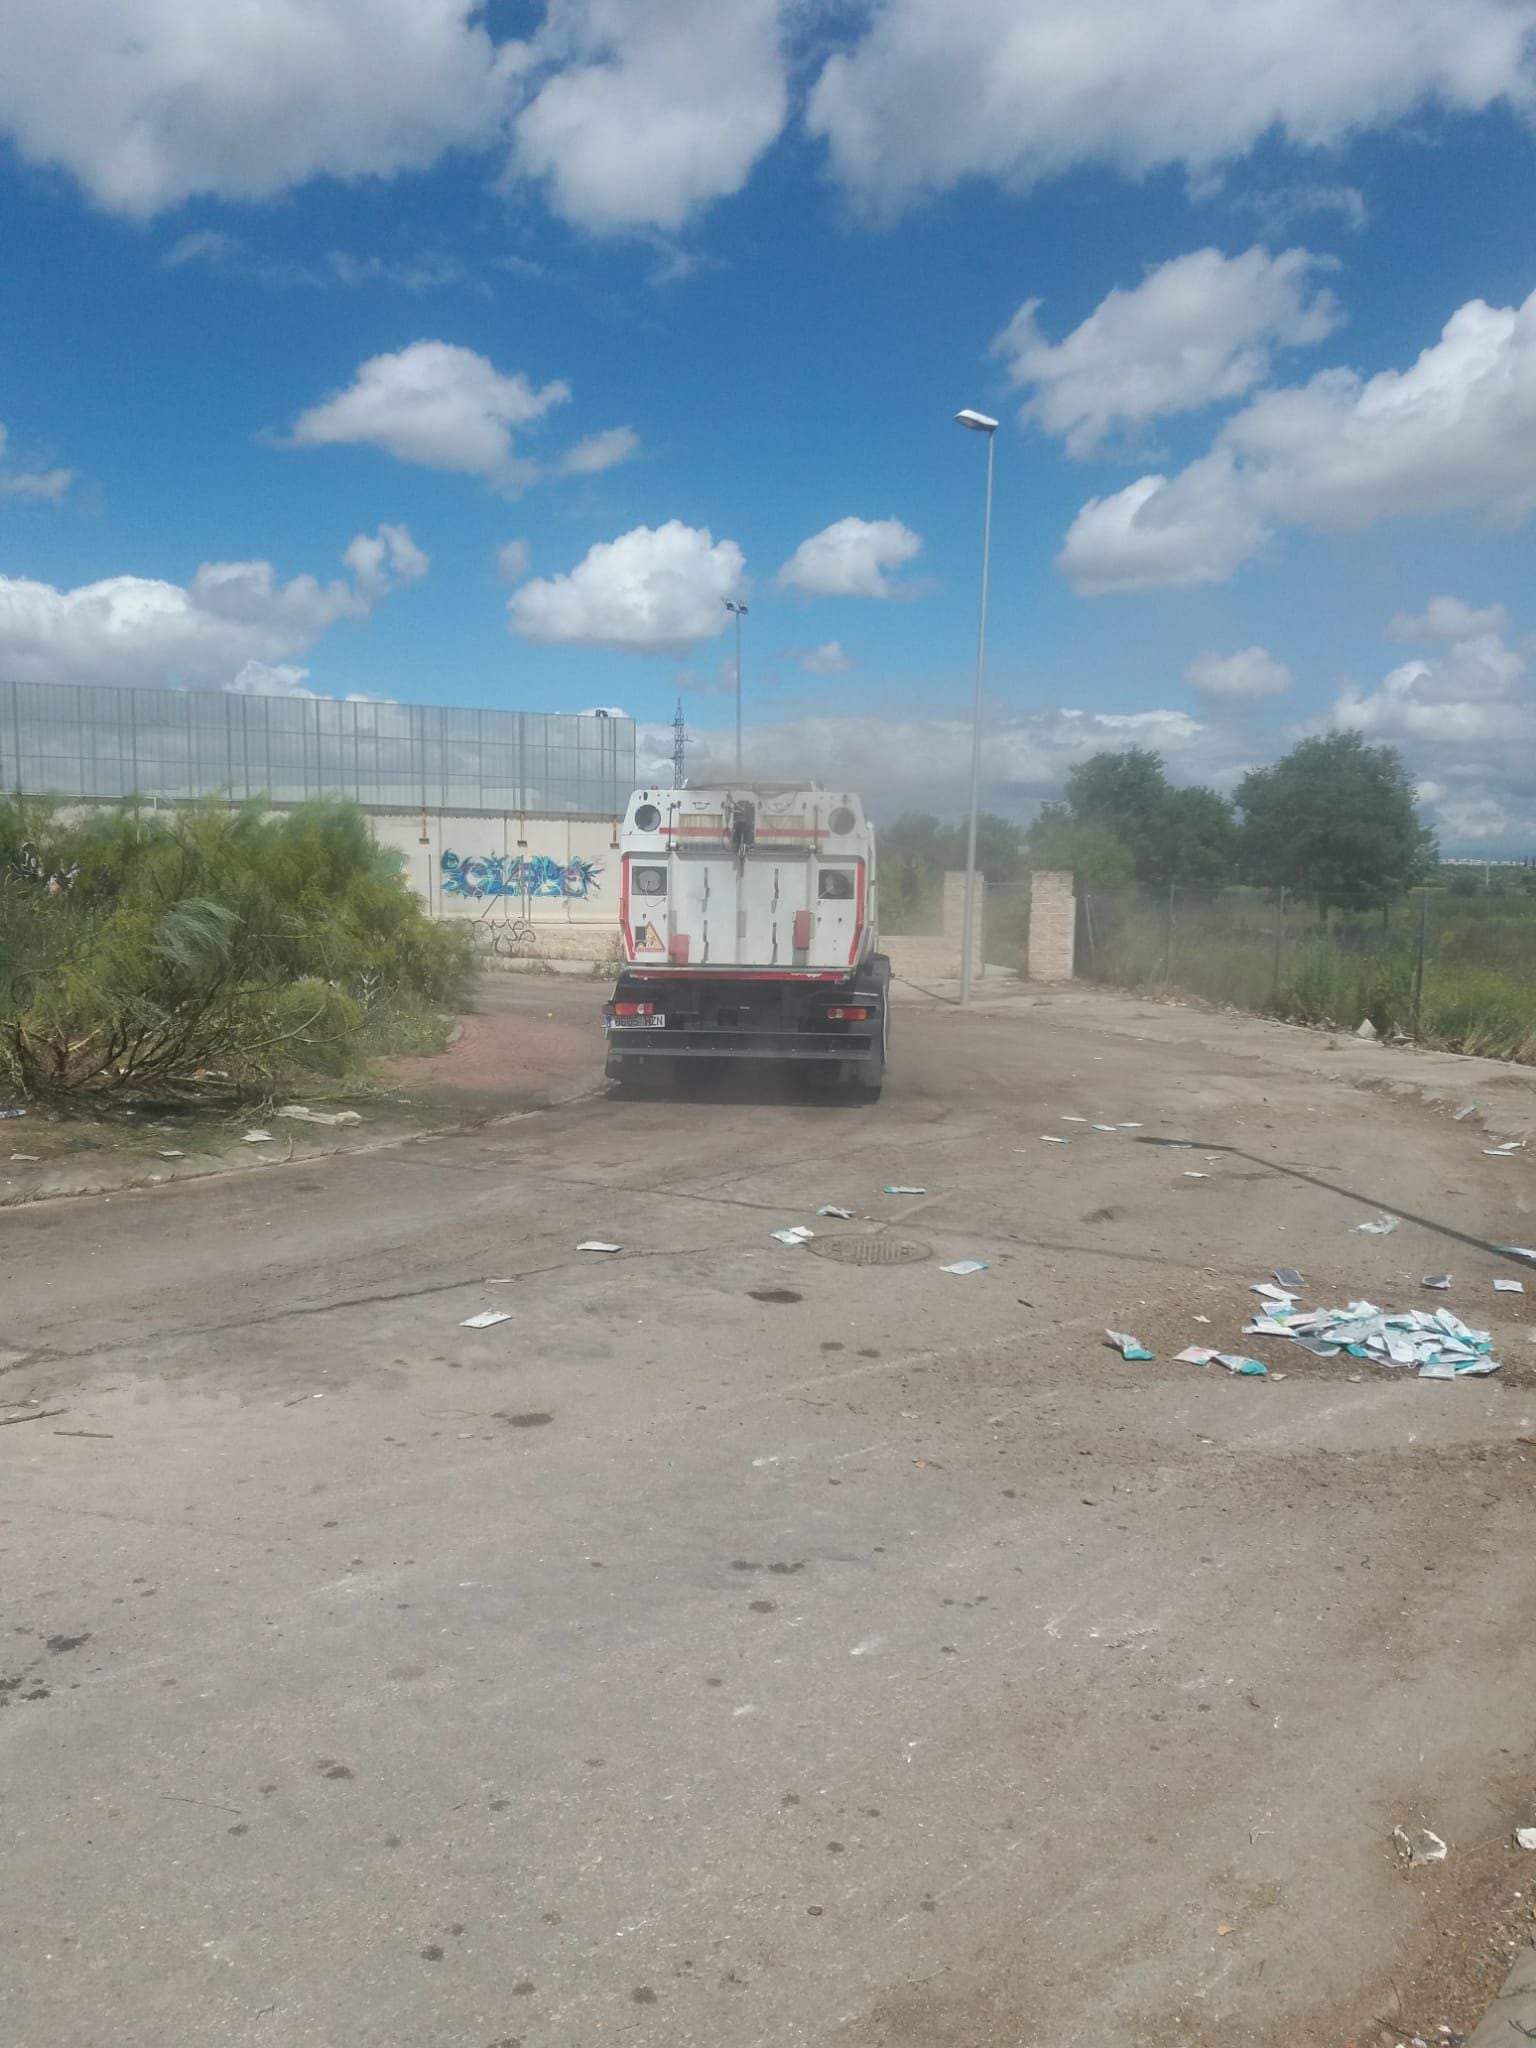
(521, 874)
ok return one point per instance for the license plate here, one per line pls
(638, 1023)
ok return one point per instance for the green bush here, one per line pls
(144, 947)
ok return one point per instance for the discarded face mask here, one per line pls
(486, 1319)
(1439, 1281)
(1128, 1347)
(1382, 1227)
(911, 1191)
(796, 1234)
(965, 1266)
(1249, 1368)
(831, 1209)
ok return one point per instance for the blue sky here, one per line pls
(306, 322)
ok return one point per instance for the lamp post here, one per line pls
(979, 423)
(741, 612)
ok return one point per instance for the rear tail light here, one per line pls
(634, 1009)
(845, 1016)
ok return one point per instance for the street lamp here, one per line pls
(741, 612)
(979, 423)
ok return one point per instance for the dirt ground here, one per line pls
(740, 1645)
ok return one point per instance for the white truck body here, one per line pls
(750, 929)
(753, 879)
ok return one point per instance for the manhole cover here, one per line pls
(871, 1251)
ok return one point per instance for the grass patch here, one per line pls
(1475, 991)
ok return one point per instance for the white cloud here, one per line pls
(147, 102)
(1465, 721)
(1456, 432)
(852, 558)
(1449, 618)
(598, 452)
(1241, 678)
(654, 590)
(270, 679)
(437, 404)
(513, 559)
(445, 407)
(232, 255)
(831, 658)
(656, 109)
(1159, 532)
(379, 561)
(41, 486)
(235, 625)
(1197, 329)
(1477, 690)
(936, 92)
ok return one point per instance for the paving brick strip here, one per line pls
(1512, 2016)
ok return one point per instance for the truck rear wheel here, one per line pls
(863, 1079)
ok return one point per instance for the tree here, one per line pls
(1123, 820)
(1087, 847)
(1336, 819)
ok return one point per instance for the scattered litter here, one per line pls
(256, 1137)
(1284, 1297)
(1467, 1109)
(1382, 1227)
(795, 1234)
(1202, 1319)
(486, 1318)
(1288, 1277)
(1439, 1281)
(1195, 1354)
(7, 1114)
(965, 1266)
(1437, 1344)
(1365, 1029)
(1250, 1368)
(1509, 1287)
(1419, 1845)
(31, 1158)
(1190, 1174)
(1047, 1139)
(301, 1115)
(923, 1191)
(1503, 1151)
(1128, 1347)
(1130, 1127)
(37, 1415)
(831, 1209)
(498, 1283)
(1105, 1127)
(598, 1244)
(1525, 1838)
(1074, 1119)
(1517, 1251)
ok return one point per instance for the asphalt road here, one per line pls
(740, 1648)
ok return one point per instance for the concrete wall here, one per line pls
(1052, 927)
(558, 874)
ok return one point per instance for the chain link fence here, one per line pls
(1450, 966)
